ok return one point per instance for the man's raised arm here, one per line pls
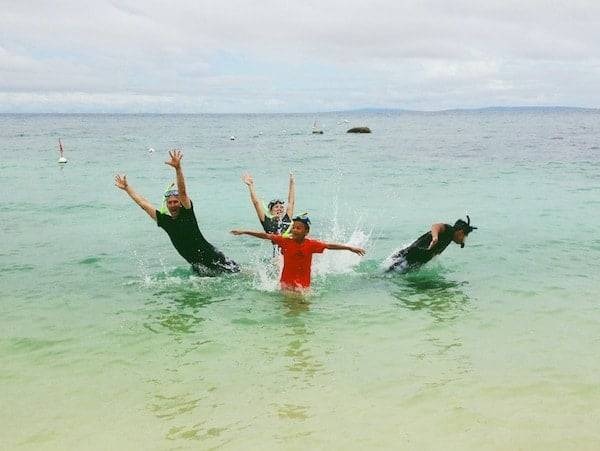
(121, 183)
(175, 162)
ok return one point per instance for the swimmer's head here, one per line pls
(300, 226)
(462, 230)
(172, 201)
(276, 207)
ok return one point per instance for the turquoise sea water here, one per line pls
(108, 341)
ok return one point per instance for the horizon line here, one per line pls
(346, 111)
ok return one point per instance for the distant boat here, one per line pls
(232, 138)
(317, 130)
(62, 159)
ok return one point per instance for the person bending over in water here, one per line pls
(181, 225)
(297, 252)
(430, 244)
(277, 221)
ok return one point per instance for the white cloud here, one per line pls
(277, 55)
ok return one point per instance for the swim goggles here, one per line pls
(303, 218)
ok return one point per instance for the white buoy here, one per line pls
(62, 159)
(232, 138)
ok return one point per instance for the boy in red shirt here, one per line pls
(297, 252)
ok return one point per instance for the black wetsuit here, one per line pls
(191, 245)
(276, 226)
(417, 254)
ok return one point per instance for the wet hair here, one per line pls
(274, 202)
(464, 226)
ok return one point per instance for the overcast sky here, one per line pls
(233, 56)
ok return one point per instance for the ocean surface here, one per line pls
(109, 341)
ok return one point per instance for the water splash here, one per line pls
(340, 262)
(267, 271)
(390, 260)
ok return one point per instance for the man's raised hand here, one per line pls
(176, 156)
(121, 181)
(247, 179)
(434, 241)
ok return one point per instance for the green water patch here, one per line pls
(175, 322)
(26, 345)
(430, 291)
(40, 438)
(178, 304)
(16, 268)
(93, 260)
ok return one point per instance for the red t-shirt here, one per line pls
(297, 260)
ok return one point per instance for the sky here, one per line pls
(279, 56)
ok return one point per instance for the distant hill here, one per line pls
(486, 109)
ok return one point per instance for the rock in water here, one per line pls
(359, 130)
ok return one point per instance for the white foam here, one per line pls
(389, 261)
(340, 262)
(267, 273)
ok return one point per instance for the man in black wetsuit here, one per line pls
(430, 244)
(181, 225)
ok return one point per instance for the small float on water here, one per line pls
(62, 159)
(359, 130)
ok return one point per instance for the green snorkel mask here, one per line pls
(170, 191)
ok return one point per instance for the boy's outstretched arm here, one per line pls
(262, 235)
(344, 247)
(121, 183)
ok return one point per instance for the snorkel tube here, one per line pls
(466, 227)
